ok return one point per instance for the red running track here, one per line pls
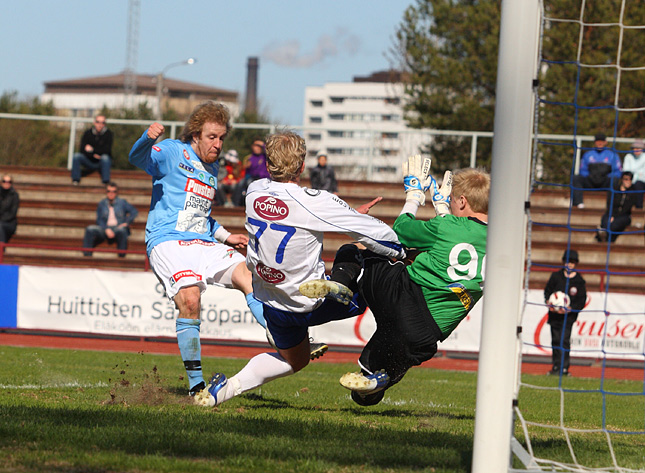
(442, 361)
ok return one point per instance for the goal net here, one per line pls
(590, 80)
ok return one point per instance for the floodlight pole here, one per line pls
(185, 62)
(505, 249)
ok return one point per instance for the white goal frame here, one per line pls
(505, 249)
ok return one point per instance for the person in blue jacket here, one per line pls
(599, 168)
(113, 219)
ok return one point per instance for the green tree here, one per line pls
(593, 94)
(240, 139)
(30, 142)
(449, 50)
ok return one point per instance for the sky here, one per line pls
(299, 43)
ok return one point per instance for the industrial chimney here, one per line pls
(251, 105)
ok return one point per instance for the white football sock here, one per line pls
(259, 370)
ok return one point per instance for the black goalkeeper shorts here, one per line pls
(406, 333)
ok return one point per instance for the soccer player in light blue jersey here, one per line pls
(187, 248)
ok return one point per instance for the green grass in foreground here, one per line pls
(78, 411)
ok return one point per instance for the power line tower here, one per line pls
(132, 52)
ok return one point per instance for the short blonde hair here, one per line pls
(474, 185)
(285, 154)
(206, 112)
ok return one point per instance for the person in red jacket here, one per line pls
(232, 172)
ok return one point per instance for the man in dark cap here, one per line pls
(562, 318)
(598, 167)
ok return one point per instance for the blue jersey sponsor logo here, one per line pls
(186, 167)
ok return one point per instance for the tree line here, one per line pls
(45, 143)
(448, 50)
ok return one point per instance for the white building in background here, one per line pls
(360, 126)
(84, 97)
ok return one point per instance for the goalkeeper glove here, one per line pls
(417, 179)
(441, 195)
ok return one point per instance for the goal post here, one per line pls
(505, 250)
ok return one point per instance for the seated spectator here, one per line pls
(113, 218)
(323, 176)
(255, 167)
(95, 151)
(599, 168)
(230, 175)
(634, 162)
(9, 202)
(619, 209)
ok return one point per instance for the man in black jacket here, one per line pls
(561, 319)
(8, 208)
(618, 213)
(323, 176)
(95, 151)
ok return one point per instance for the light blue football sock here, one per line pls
(190, 348)
(256, 309)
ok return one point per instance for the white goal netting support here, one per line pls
(591, 421)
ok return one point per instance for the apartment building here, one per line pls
(360, 126)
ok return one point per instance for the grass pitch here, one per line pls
(78, 411)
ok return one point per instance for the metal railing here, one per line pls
(364, 165)
(361, 166)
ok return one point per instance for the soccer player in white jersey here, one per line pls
(286, 224)
(187, 248)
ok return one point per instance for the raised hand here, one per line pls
(441, 195)
(417, 179)
(155, 130)
(365, 208)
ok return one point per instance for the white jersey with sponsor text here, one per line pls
(286, 224)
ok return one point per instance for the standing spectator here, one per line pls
(255, 167)
(323, 176)
(598, 168)
(231, 176)
(618, 214)
(95, 151)
(635, 163)
(113, 219)
(9, 202)
(561, 320)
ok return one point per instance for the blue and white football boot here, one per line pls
(208, 396)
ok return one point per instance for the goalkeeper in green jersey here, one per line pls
(415, 305)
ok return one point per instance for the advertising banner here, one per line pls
(8, 295)
(134, 304)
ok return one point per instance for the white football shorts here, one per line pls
(180, 264)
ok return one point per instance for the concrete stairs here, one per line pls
(53, 215)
